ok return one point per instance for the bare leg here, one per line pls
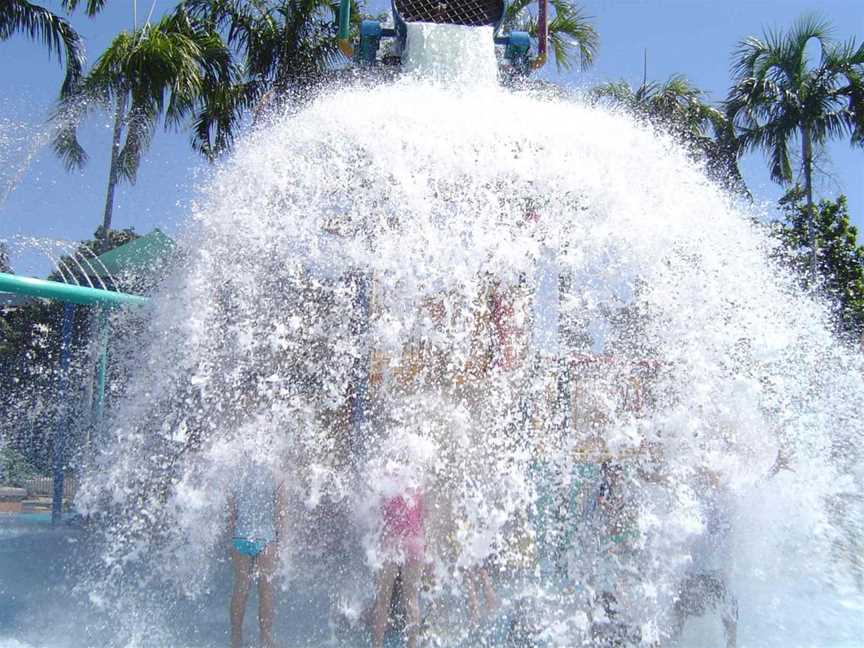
(679, 618)
(386, 578)
(683, 608)
(471, 594)
(730, 618)
(489, 598)
(242, 583)
(266, 564)
(411, 574)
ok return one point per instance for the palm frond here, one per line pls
(277, 49)
(746, 57)
(57, 35)
(570, 31)
(614, 93)
(140, 126)
(92, 7)
(843, 81)
(65, 139)
(807, 27)
(223, 107)
(854, 91)
(834, 125)
(71, 110)
(513, 13)
(781, 167)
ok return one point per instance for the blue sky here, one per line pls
(690, 37)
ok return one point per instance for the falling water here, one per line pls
(19, 145)
(450, 53)
(537, 315)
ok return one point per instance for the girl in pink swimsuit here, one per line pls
(403, 527)
(403, 540)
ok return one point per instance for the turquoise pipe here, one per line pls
(344, 28)
(65, 292)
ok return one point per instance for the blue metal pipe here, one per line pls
(361, 366)
(60, 433)
(101, 368)
(370, 40)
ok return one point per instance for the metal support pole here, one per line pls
(565, 352)
(101, 367)
(60, 432)
(345, 29)
(563, 400)
(542, 34)
(361, 367)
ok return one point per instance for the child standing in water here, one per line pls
(705, 585)
(403, 541)
(256, 513)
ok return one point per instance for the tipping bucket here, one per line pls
(467, 13)
(470, 13)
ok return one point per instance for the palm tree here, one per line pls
(170, 70)
(682, 109)
(287, 47)
(778, 96)
(20, 16)
(569, 32)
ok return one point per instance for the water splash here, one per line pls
(86, 265)
(535, 314)
(19, 144)
(390, 255)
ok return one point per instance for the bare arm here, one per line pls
(232, 514)
(281, 521)
(780, 463)
(232, 520)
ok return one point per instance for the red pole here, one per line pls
(542, 22)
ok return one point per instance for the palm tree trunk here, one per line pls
(112, 173)
(807, 152)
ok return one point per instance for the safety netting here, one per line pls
(473, 13)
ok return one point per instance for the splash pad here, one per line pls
(535, 317)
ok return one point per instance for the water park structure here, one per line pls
(432, 373)
(135, 256)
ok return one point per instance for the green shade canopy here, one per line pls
(139, 254)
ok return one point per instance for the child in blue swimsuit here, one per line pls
(256, 514)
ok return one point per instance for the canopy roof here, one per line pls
(135, 255)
